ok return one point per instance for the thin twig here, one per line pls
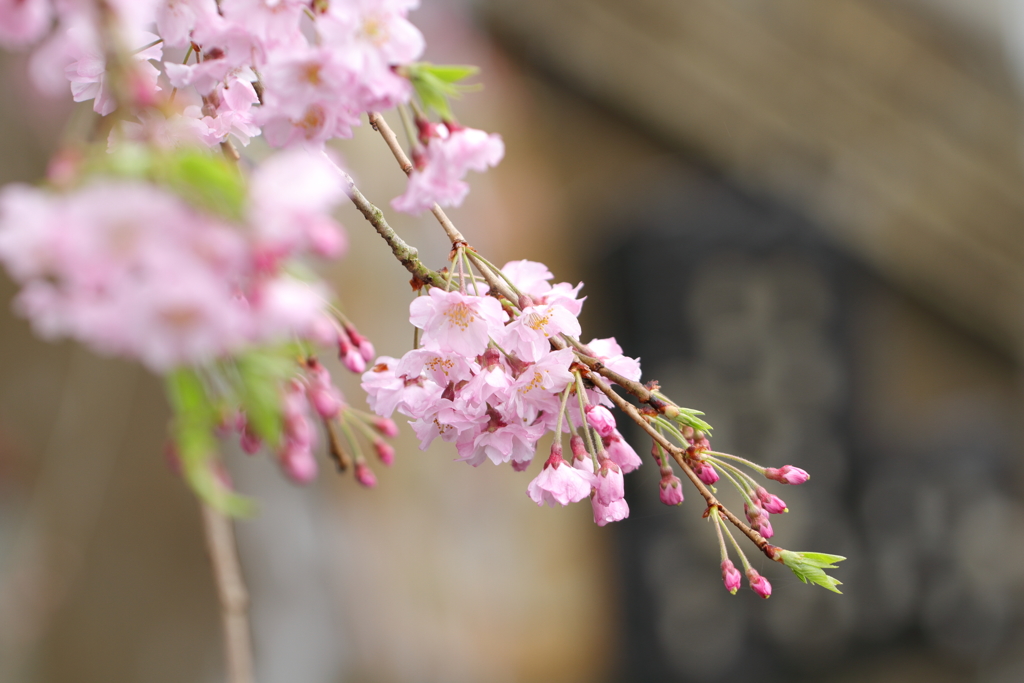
(677, 454)
(406, 255)
(234, 598)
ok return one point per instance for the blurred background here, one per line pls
(805, 216)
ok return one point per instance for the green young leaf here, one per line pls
(260, 376)
(688, 416)
(205, 181)
(434, 84)
(195, 418)
(809, 567)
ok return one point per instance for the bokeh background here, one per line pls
(806, 217)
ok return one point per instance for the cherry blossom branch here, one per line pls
(408, 256)
(234, 598)
(595, 370)
(378, 123)
(594, 366)
(642, 393)
(677, 454)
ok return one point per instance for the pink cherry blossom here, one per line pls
(175, 19)
(558, 482)
(605, 514)
(384, 389)
(22, 22)
(371, 37)
(457, 322)
(608, 484)
(528, 335)
(621, 453)
(446, 160)
(292, 194)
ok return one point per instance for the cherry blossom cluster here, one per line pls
(492, 384)
(160, 243)
(132, 269)
(298, 72)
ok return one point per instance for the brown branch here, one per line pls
(381, 126)
(234, 598)
(406, 255)
(339, 455)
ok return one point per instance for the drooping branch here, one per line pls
(234, 598)
(596, 370)
(408, 256)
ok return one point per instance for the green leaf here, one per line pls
(261, 375)
(205, 181)
(434, 84)
(451, 73)
(809, 567)
(688, 416)
(195, 418)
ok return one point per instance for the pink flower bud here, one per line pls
(578, 447)
(354, 361)
(384, 451)
(367, 350)
(770, 502)
(386, 427)
(706, 473)
(361, 342)
(365, 476)
(758, 519)
(601, 419)
(298, 462)
(787, 474)
(731, 577)
(249, 442)
(671, 489)
(759, 584)
(520, 465)
(350, 354)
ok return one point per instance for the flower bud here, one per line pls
(386, 427)
(706, 473)
(671, 489)
(384, 451)
(365, 476)
(298, 462)
(731, 577)
(578, 447)
(787, 474)
(362, 343)
(601, 419)
(770, 502)
(249, 442)
(759, 584)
